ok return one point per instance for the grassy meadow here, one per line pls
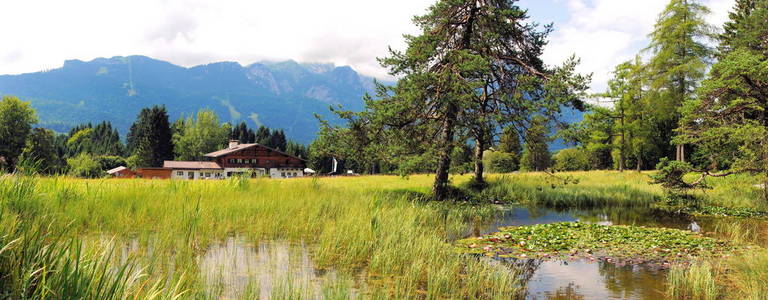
(146, 239)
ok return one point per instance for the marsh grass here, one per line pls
(580, 190)
(355, 224)
(695, 281)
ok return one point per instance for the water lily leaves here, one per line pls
(574, 239)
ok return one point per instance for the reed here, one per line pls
(356, 225)
(696, 281)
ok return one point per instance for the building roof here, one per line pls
(194, 165)
(115, 170)
(239, 147)
(226, 151)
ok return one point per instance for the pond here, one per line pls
(237, 268)
(584, 279)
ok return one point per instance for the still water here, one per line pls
(582, 279)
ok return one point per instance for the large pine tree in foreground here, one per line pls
(728, 122)
(474, 68)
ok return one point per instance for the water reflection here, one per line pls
(582, 279)
(520, 216)
(235, 269)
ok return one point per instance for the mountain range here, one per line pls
(283, 95)
(276, 94)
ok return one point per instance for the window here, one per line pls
(180, 173)
(282, 174)
(239, 160)
(207, 174)
(231, 160)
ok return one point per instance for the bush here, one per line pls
(110, 161)
(501, 162)
(84, 165)
(572, 159)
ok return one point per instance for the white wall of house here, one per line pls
(197, 174)
(257, 172)
(286, 172)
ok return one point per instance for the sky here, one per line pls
(41, 34)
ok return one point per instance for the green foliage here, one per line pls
(572, 159)
(695, 281)
(670, 174)
(150, 138)
(461, 80)
(41, 150)
(107, 162)
(201, 135)
(536, 156)
(501, 162)
(85, 165)
(16, 119)
(509, 141)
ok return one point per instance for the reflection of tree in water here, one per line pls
(525, 268)
(568, 292)
(634, 216)
(633, 281)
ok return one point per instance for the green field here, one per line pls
(370, 236)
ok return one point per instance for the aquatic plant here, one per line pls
(693, 281)
(620, 243)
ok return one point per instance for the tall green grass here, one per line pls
(574, 190)
(695, 281)
(396, 246)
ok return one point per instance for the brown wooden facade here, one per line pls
(257, 156)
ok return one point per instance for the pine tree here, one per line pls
(728, 122)
(680, 57)
(536, 155)
(475, 67)
(263, 135)
(150, 137)
(736, 30)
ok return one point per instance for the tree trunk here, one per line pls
(440, 187)
(479, 167)
(680, 153)
(639, 163)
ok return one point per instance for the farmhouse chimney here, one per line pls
(233, 144)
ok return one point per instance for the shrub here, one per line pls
(501, 162)
(84, 165)
(572, 159)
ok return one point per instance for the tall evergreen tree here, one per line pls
(680, 57)
(728, 122)
(475, 67)
(16, 119)
(263, 135)
(242, 133)
(536, 155)
(150, 137)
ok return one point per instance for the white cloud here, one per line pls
(604, 33)
(40, 35)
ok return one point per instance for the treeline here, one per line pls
(699, 97)
(88, 150)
